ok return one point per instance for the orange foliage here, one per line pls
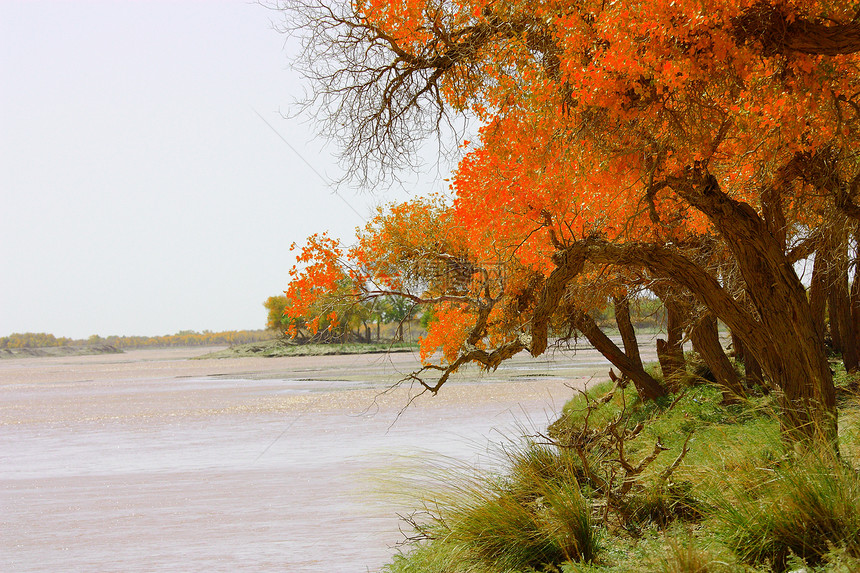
(592, 113)
(320, 274)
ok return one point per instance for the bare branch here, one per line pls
(380, 96)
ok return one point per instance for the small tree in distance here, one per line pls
(399, 310)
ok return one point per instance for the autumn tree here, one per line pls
(275, 306)
(698, 148)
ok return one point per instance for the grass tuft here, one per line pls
(533, 517)
(684, 556)
(809, 507)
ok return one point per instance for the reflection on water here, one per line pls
(158, 464)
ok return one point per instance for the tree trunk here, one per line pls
(754, 375)
(842, 313)
(738, 348)
(833, 307)
(625, 327)
(840, 310)
(752, 369)
(646, 386)
(706, 341)
(854, 293)
(818, 290)
(670, 352)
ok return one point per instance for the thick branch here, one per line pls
(488, 360)
(777, 33)
(569, 263)
(706, 341)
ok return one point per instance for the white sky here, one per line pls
(139, 191)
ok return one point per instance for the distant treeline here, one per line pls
(645, 313)
(182, 338)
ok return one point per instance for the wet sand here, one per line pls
(147, 461)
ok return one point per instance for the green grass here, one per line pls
(736, 501)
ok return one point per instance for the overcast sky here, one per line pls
(139, 191)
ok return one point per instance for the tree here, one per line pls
(693, 147)
(399, 310)
(275, 306)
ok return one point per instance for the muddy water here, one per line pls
(147, 461)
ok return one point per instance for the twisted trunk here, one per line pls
(794, 358)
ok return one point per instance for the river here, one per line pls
(148, 461)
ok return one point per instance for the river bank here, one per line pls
(279, 348)
(54, 351)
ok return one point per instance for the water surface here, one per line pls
(146, 461)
